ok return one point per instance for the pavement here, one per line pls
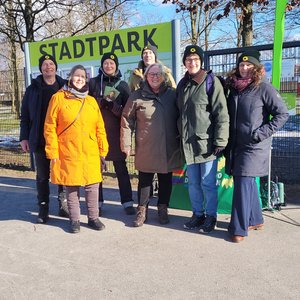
(45, 261)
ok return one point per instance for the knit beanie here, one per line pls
(193, 49)
(112, 56)
(152, 48)
(45, 57)
(251, 56)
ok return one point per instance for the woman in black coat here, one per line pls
(256, 112)
(111, 94)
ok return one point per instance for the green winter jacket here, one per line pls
(204, 121)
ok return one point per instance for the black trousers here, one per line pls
(123, 182)
(42, 164)
(164, 188)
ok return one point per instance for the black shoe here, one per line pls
(96, 224)
(43, 216)
(130, 210)
(75, 226)
(194, 222)
(209, 224)
(63, 209)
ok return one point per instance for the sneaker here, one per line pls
(75, 226)
(194, 222)
(209, 224)
(96, 224)
(130, 210)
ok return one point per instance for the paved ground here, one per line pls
(151, 262)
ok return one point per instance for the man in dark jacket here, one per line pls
(204, 130)
(33, 113)
(111, 94)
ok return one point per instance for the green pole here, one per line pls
(278, 40)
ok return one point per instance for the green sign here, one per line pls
(125, 42)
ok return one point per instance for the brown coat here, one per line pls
(154, 120)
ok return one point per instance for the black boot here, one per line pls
(43, 216)
(63, 210)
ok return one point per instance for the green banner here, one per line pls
(180, 196)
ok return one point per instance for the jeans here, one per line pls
(42, 164)
(123, 182)
(202, 187)
(164, 188)
(246, 210)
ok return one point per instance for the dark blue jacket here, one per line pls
(31, 111)
(251, 129)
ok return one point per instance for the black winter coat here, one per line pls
(251, 128)
(111, 114)
(31, 113)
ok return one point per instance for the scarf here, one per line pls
(78, 93)
(241, 83)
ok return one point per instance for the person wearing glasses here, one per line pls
(148, 57)
(151, 113)
(204, 131)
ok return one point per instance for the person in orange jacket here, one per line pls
(76, 142)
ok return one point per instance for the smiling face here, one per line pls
(48, 68)
(79, 78)
(148, 57)
(246, 69)
(109, 66)
(193, 63)
(155, 78)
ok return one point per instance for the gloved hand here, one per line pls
(217, 151)
(107, 103)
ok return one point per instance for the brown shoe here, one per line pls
(140, 216)
(256, 227)
(237, 238)
(163, 214)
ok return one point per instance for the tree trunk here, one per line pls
(247, 24)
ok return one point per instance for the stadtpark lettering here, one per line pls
(95, 46)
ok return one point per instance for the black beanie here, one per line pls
(193, 49)
(251, 56)
(112, 56)
(45, 57)
(150, 47)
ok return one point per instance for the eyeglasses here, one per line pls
(190, 60)
(152, 75)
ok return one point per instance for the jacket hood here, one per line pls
(106, 77)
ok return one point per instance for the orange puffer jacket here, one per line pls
(80, 146)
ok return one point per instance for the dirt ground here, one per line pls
(292, 191)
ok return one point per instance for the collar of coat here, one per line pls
(198, 78)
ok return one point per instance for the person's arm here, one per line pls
(128, 120)
(276, 109)
(220, 117)
(50, 129)
(25, 122)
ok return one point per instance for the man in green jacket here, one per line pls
(204, 130)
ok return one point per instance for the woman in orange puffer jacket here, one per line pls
(75, 142)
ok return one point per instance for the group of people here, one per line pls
(73, 127)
